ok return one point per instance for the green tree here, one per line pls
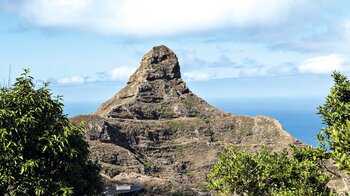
(335, 112)
(270, 173)
(41, 152)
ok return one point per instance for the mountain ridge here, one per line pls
(156, 133)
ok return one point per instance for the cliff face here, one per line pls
(156, 91)
(156, 132)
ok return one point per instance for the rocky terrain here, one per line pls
(155, 132)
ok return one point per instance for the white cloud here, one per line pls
(116, 74)
(119, 73)
(315, 65)
(197, 76)
(324, 64)
(142, 18)
(71, 80)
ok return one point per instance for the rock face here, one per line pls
(156, 91)
(155, 132)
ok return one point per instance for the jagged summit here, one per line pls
(156, 91)
(159, 63)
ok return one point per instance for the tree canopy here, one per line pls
(41, 152)
(335, 112)
(269, 173)
(298, 173)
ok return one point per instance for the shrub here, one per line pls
(41, 152)
(269, 173)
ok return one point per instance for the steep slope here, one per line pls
(155, 132)
(156, 91)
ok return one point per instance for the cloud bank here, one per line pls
(121, 73)
(324, 64)
(142, 18)
(207, 70)
(194, 69)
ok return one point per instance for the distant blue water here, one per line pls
(297, 115)
(73, 109)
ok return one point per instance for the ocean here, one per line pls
(297, 115)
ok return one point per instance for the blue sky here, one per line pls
(227, 48)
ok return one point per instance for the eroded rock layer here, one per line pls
(155, 132)
(156, 91)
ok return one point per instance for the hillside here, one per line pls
(155, 132)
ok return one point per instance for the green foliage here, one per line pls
(269, 173)
(335, 113)
(41, 152)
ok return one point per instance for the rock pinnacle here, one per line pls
(156, 91)
(159, 63)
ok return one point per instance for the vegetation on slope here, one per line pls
(298, 173)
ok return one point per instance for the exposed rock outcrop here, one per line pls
(156, 91)
(157, 133)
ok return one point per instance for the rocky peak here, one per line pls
(156, 91)
(159, 63)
